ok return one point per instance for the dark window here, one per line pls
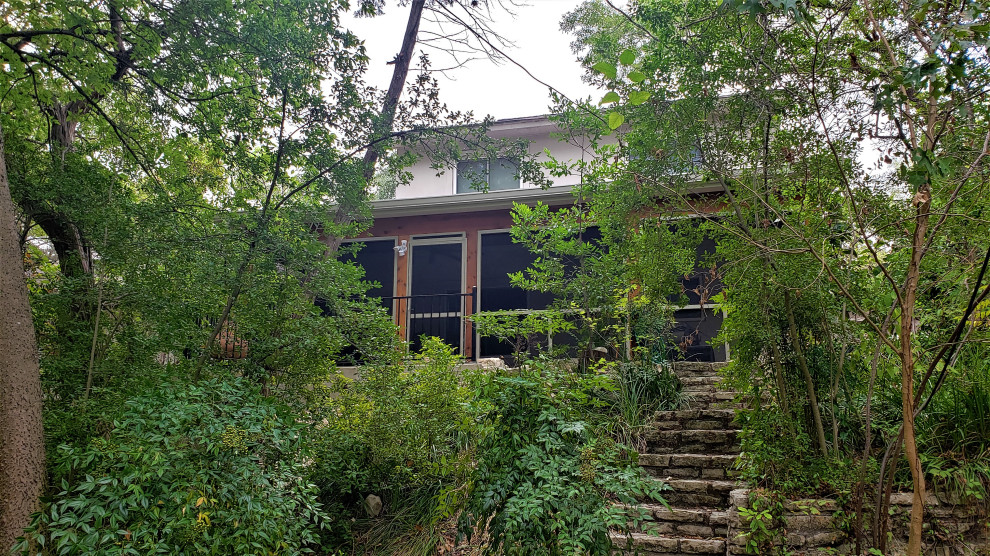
(495, 174)
(499, 258)
(703, 283)
(377, 258)
(693, 330)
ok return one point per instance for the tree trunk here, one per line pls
(808, 381)
(22, 448)
(74, 256)
(908, 295)
(778, 375)
(346, 208)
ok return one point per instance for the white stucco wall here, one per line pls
(426, 182)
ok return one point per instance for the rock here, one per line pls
(739, 498)
(825, 538)
(373, 504)
(491, 363)
(703, 546)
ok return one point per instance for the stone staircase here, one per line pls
(693, 450)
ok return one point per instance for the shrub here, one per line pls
(212, 468)
(764, 528)
(399, 433)
(641, 389)
(775, 457)
(545, 483)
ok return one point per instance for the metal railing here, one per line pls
(440, 314)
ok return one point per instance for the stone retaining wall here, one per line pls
(950, 529)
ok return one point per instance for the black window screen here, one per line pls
(703, 283)
(377, 257)
(499, 258)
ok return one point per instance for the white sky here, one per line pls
(503, 91)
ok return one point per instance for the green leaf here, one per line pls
(604, 68)
(615, 120)
(627, 57)
(638, 97)
(636, 76)
(609, 97)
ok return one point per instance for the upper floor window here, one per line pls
(496, 173)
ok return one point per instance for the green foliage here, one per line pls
(790, 112)
(954, 435)
(638, 391)
(545, 482)
(209, 469)
(589, 255)
(777, 457)
(967, 481)
(523, 330)
(400, 432)
(764, 526)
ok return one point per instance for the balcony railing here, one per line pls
(440, 314)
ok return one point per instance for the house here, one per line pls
(441, 250)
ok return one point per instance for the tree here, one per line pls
(22, 449)
(125, 83)
(848, 142)
(181, 156)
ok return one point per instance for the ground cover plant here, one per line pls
(213, 468)
(547, 481)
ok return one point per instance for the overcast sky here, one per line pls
(504, 90)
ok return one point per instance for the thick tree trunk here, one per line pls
(74, 256)
(22, 448)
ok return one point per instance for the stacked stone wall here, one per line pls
(813, 527)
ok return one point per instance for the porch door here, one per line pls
(436, 287)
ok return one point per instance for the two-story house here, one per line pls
(441, 250)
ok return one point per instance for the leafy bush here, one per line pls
(763, 525)
(212, 468)
(786, 461)
(545, 483)
(522, 330)
(954, 435)
(398, 432)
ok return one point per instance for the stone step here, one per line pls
(719, 399)
(689, 466)
(695, 382)
(685, 369)
(705, 493)
(696, 419)
(679, 414)
(690, 522)
(644, 544)
(692, 442)
(712, 396)
(704, 389)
